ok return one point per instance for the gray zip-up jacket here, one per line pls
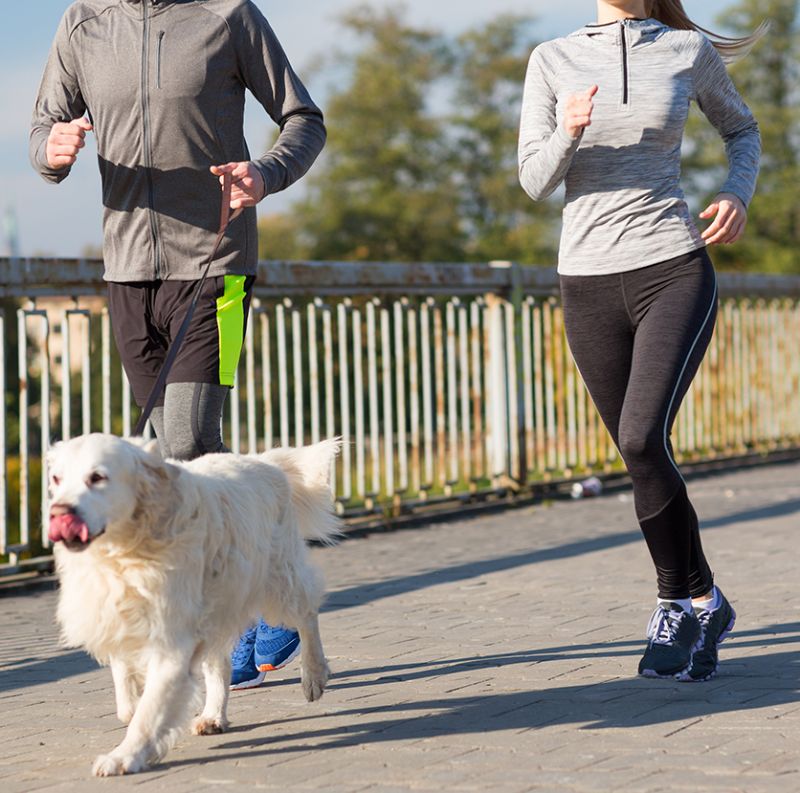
(624, 206)
(164, 84)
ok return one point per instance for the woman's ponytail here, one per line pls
(672, 13)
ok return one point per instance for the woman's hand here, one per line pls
(578, 112)
(730, 220)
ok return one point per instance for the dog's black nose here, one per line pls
(61, 509)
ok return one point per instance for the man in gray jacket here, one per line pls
(161, 84)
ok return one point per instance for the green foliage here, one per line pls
(279, 237)
(13, 475)
(420, 163)
(384, 190)
(501, 220)
(768, 79)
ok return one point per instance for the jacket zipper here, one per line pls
(159, 43)
(624, 44)
(147, 150)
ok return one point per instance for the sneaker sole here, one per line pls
(288, 659)
(686, 678)
(651, 674)
(254, 683)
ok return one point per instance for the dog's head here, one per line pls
(98, 483)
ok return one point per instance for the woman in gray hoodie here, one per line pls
(604, 111)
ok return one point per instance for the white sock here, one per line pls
(710, 604)
(684, 603)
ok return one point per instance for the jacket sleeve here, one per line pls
(59, 100)
(545, 149)
(266, 72)
(719, 100)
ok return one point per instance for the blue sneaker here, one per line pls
(244, 673)
(275, 647)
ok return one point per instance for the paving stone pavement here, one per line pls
(496, 654)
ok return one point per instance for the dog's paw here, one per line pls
(206, 726)
(108, 765)
(116, 765)
(314, 685)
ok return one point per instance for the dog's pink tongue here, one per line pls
(68, 527)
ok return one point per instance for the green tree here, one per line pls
(501, 221)
(421, 159)
(279, 237)
(384, 189)
(768, 78)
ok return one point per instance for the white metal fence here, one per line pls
(448, 383)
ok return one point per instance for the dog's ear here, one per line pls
(153, 449)
(149, 447)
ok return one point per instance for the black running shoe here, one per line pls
(716, 624)
(672, 634)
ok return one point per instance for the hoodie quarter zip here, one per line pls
(625, 55)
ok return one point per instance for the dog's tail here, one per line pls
(308, 470)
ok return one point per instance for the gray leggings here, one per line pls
(638, 339)
(188, 424)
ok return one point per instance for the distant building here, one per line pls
(10, 233)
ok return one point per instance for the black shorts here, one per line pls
(146, 315)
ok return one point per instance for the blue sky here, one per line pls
(61, 220)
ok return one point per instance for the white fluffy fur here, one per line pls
(184, 557)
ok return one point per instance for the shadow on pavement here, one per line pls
(779, 510)
(772, 679)
(28, 672)
(368, 593)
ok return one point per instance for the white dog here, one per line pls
(163, 564)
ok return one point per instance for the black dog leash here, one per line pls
(226, 216)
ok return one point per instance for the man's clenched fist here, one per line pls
(65, 141)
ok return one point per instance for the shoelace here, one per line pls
(663, 625)
(244, 647)
(704, 618)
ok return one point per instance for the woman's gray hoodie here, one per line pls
(624, 205)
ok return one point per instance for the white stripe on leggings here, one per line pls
(680, 378)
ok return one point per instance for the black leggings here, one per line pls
(638, 339)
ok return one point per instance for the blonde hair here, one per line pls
(672, 13)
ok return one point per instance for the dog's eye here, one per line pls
(56, 480)
(96, 477)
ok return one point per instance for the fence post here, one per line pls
(505, 398)
(496, 396)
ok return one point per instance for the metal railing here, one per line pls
(448, 383)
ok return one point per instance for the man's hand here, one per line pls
(730, 220)
(65, 141)
(247, 184)
(578, 112)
